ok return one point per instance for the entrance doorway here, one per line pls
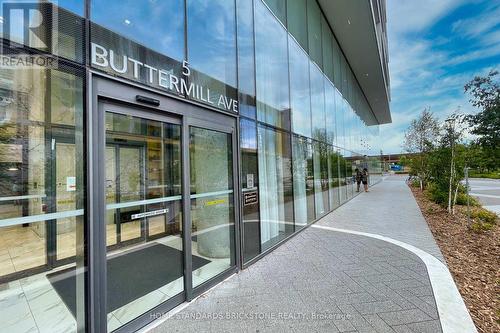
(169, 212)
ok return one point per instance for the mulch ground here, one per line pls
(473, 259)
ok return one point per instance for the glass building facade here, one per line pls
(149, 149)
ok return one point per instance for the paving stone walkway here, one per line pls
(329, 281)
(390, 210)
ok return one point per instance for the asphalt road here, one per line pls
(487, 191)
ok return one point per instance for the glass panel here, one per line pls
(318, 188)
(211, 34)
(333, 166)
(317, 103)
(41, 201)
(59, 31)
(276, 188)
(279, 9)
(330, 112)
(297, 21)
(144, 214)
(246, 58)
(339, 120)
(76, 6)
(212, 203)
(303, 181)
(342, 174)
(250, 188)
(349, 175)
(336, 64)
(273, 105)
(314, 32)
(158, 25)
(300, 95)
(323, 158)
(327, 37)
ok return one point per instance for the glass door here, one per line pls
(143, 214)
(160, 176)
(212, 203)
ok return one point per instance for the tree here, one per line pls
(420, 139)
(453, 131)
(485, 95)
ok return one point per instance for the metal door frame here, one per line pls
(122, 95)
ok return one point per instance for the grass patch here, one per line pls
(492, 175)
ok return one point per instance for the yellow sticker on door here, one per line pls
(215, 202)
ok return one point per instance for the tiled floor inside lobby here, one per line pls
(32, 304)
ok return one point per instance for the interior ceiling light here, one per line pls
(13, 169)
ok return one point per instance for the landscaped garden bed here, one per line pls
(472, 255)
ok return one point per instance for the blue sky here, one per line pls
(435, 47)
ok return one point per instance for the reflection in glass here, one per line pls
(250, 189)
(144, 214)
(273, 105)
(337, 76)
(330, 112)
(279, 9)
(323, 158)
(349, 174)
(342, 175)
(318, 103)
(212, 203)
(297, 21)
(158, 25)
(211, 34)
(275, 186)
(334, 180)
(246, 58)
(327, 38)
(303, 181)
(41, 200)
(300, 94)
(314, 32)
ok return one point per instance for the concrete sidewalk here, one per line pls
(388, 209)
(370, 266)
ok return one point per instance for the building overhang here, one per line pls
(353, 23)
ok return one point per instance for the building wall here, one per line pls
(274, 65)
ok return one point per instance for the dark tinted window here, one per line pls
(314, 31)
(279, 8)
(297, 21)
(250, 187)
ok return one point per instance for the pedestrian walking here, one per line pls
(358, 176)
(364, 178)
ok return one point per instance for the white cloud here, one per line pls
(431, 71)
(413, 16)
(478, 25)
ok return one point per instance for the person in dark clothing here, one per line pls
(364, 178)
(357, 174)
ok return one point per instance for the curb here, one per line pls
(453, 313)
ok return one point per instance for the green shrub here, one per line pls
(415, 183)
(480, 227)
(437, 195)
(462, 200)
(484, 216)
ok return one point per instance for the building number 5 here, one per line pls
(185, 66)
